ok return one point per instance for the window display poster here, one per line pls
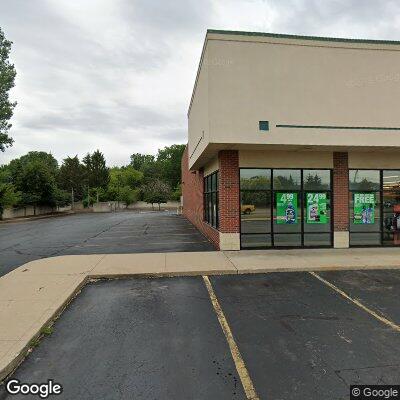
(316, 208)
(364, 208)
(286, 208)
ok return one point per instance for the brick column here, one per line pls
(341, 200)
(192, 194)
(229, 217)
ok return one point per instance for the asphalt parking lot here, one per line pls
(94, 233)
(161, 339)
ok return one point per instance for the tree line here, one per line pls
(37, 179)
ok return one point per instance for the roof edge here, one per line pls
(300, 37)
(281, 36)
(197, 73)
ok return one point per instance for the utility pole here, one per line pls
(72, 198)
(88, 197)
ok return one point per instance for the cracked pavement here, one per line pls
(159, 338)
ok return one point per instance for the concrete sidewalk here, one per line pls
(32, 295)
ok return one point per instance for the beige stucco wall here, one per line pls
(285, 159)
(302, 85)
(297, 82)
(375, 160)
(198, 122)
(211, 166)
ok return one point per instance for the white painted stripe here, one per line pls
(358, 303)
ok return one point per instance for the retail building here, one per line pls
(294, 142)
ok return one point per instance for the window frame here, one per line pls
(301, 193)
(211, 192)
(380, 191)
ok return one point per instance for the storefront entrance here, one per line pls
(285, 208)
(374, 207)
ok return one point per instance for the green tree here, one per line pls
(255, 182)
(37, 184)
(128, 195)
(5, 174)
(9, 197)
(157, 192)
(151, 171)
(97, 173)
(34, 175)
(282, 182)
(124, 177)
(72, 177)
(169, 162)
(7, 79)
(177, 193)
(364, 184)
(314, 182)
(18, 164)
(61, 197)
(139, 160)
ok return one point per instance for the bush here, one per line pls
(128, 195)
(176, 194)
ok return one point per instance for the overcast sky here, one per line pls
(117, 75)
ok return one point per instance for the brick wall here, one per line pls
(229, 219)
(193, 206)
(341, 191)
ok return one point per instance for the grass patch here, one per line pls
(34, 342)
(47, 330)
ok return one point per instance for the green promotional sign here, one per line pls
(286, 208)
(364, 208)
(316, 208)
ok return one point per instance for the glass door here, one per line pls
(365, 207)
(391, 207)
(317, 219)
(287, 218)
(317, 208)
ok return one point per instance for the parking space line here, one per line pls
(357, 303)
(139, 244)
(237, 357)
(141, 236)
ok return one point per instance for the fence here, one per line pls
(29, 211)
(107, 206)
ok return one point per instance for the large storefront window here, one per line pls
(374, 207)
(211, 199)
(285, 208)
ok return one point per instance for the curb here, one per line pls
(12, 365)
(36, 217)
(19, 358)
(15, 363)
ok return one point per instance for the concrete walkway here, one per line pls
(32, 295)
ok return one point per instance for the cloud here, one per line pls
(118, 75)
